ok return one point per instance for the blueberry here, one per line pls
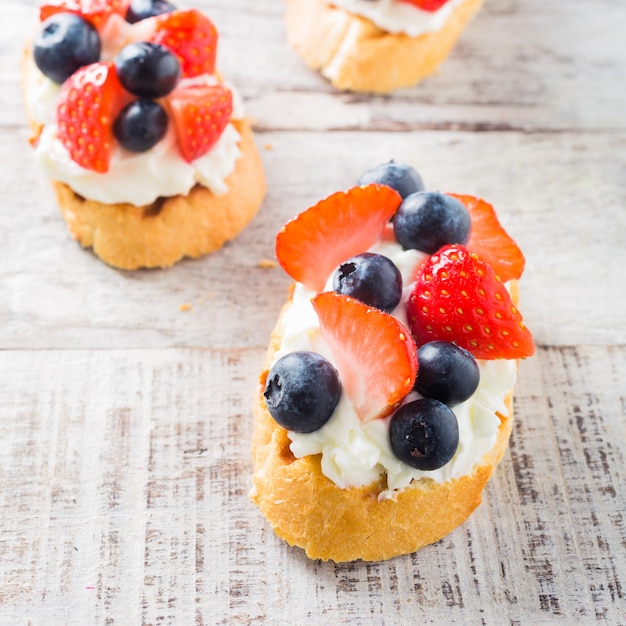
(141, 9)
(370, 278)
(424, 434)
(140, 125)
(65, 43)
(403, 178)
(147, 69)
(429, 219)
(446, 372)
(302, 391)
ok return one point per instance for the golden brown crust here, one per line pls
(158, 235)
(307, 509)
(374, 61)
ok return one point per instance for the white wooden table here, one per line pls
(125, 421)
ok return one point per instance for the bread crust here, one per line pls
(157, 235)
(356, 55)
(306, 509)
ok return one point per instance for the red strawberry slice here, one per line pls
(374, 353)
(310, 246)
(427, 5)
(490, 241)
(458, 297)
(192, 37)
(200, 114)
(89, 102)
(95, 11)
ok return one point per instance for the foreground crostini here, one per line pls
(385, 400)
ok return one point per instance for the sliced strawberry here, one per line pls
(89, 102)
(375, 354)
(95, 11)
(490, 241)
(458, 297)
(192, 37)
(427, 5)
(311, 245)
(200, 114)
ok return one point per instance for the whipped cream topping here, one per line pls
(395, 16)
(356, 454)
(137, 178)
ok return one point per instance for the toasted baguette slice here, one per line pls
(356, 55)
(159, 234)
(306, 509)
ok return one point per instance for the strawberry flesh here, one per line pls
(427, 5)
(89, 101)
(192, 37)
(310, 246)
(200, 114)
(95, 11)
(490, 241)
(457, 297)
(374, 353)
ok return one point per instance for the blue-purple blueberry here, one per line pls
(428, 220)
(399, 176)
(65, 42)
(446, 372)
(370, 278)
(140, 125)
(301, 391)
(147, 69)
(424, 434)
(142, 9)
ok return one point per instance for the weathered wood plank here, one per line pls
(123, 500)
(125, 422)
(519, 65)
(562, 200)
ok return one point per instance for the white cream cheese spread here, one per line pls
(355, 454)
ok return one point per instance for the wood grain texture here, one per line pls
(123, 496)
(563, 201)
(125, 398)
